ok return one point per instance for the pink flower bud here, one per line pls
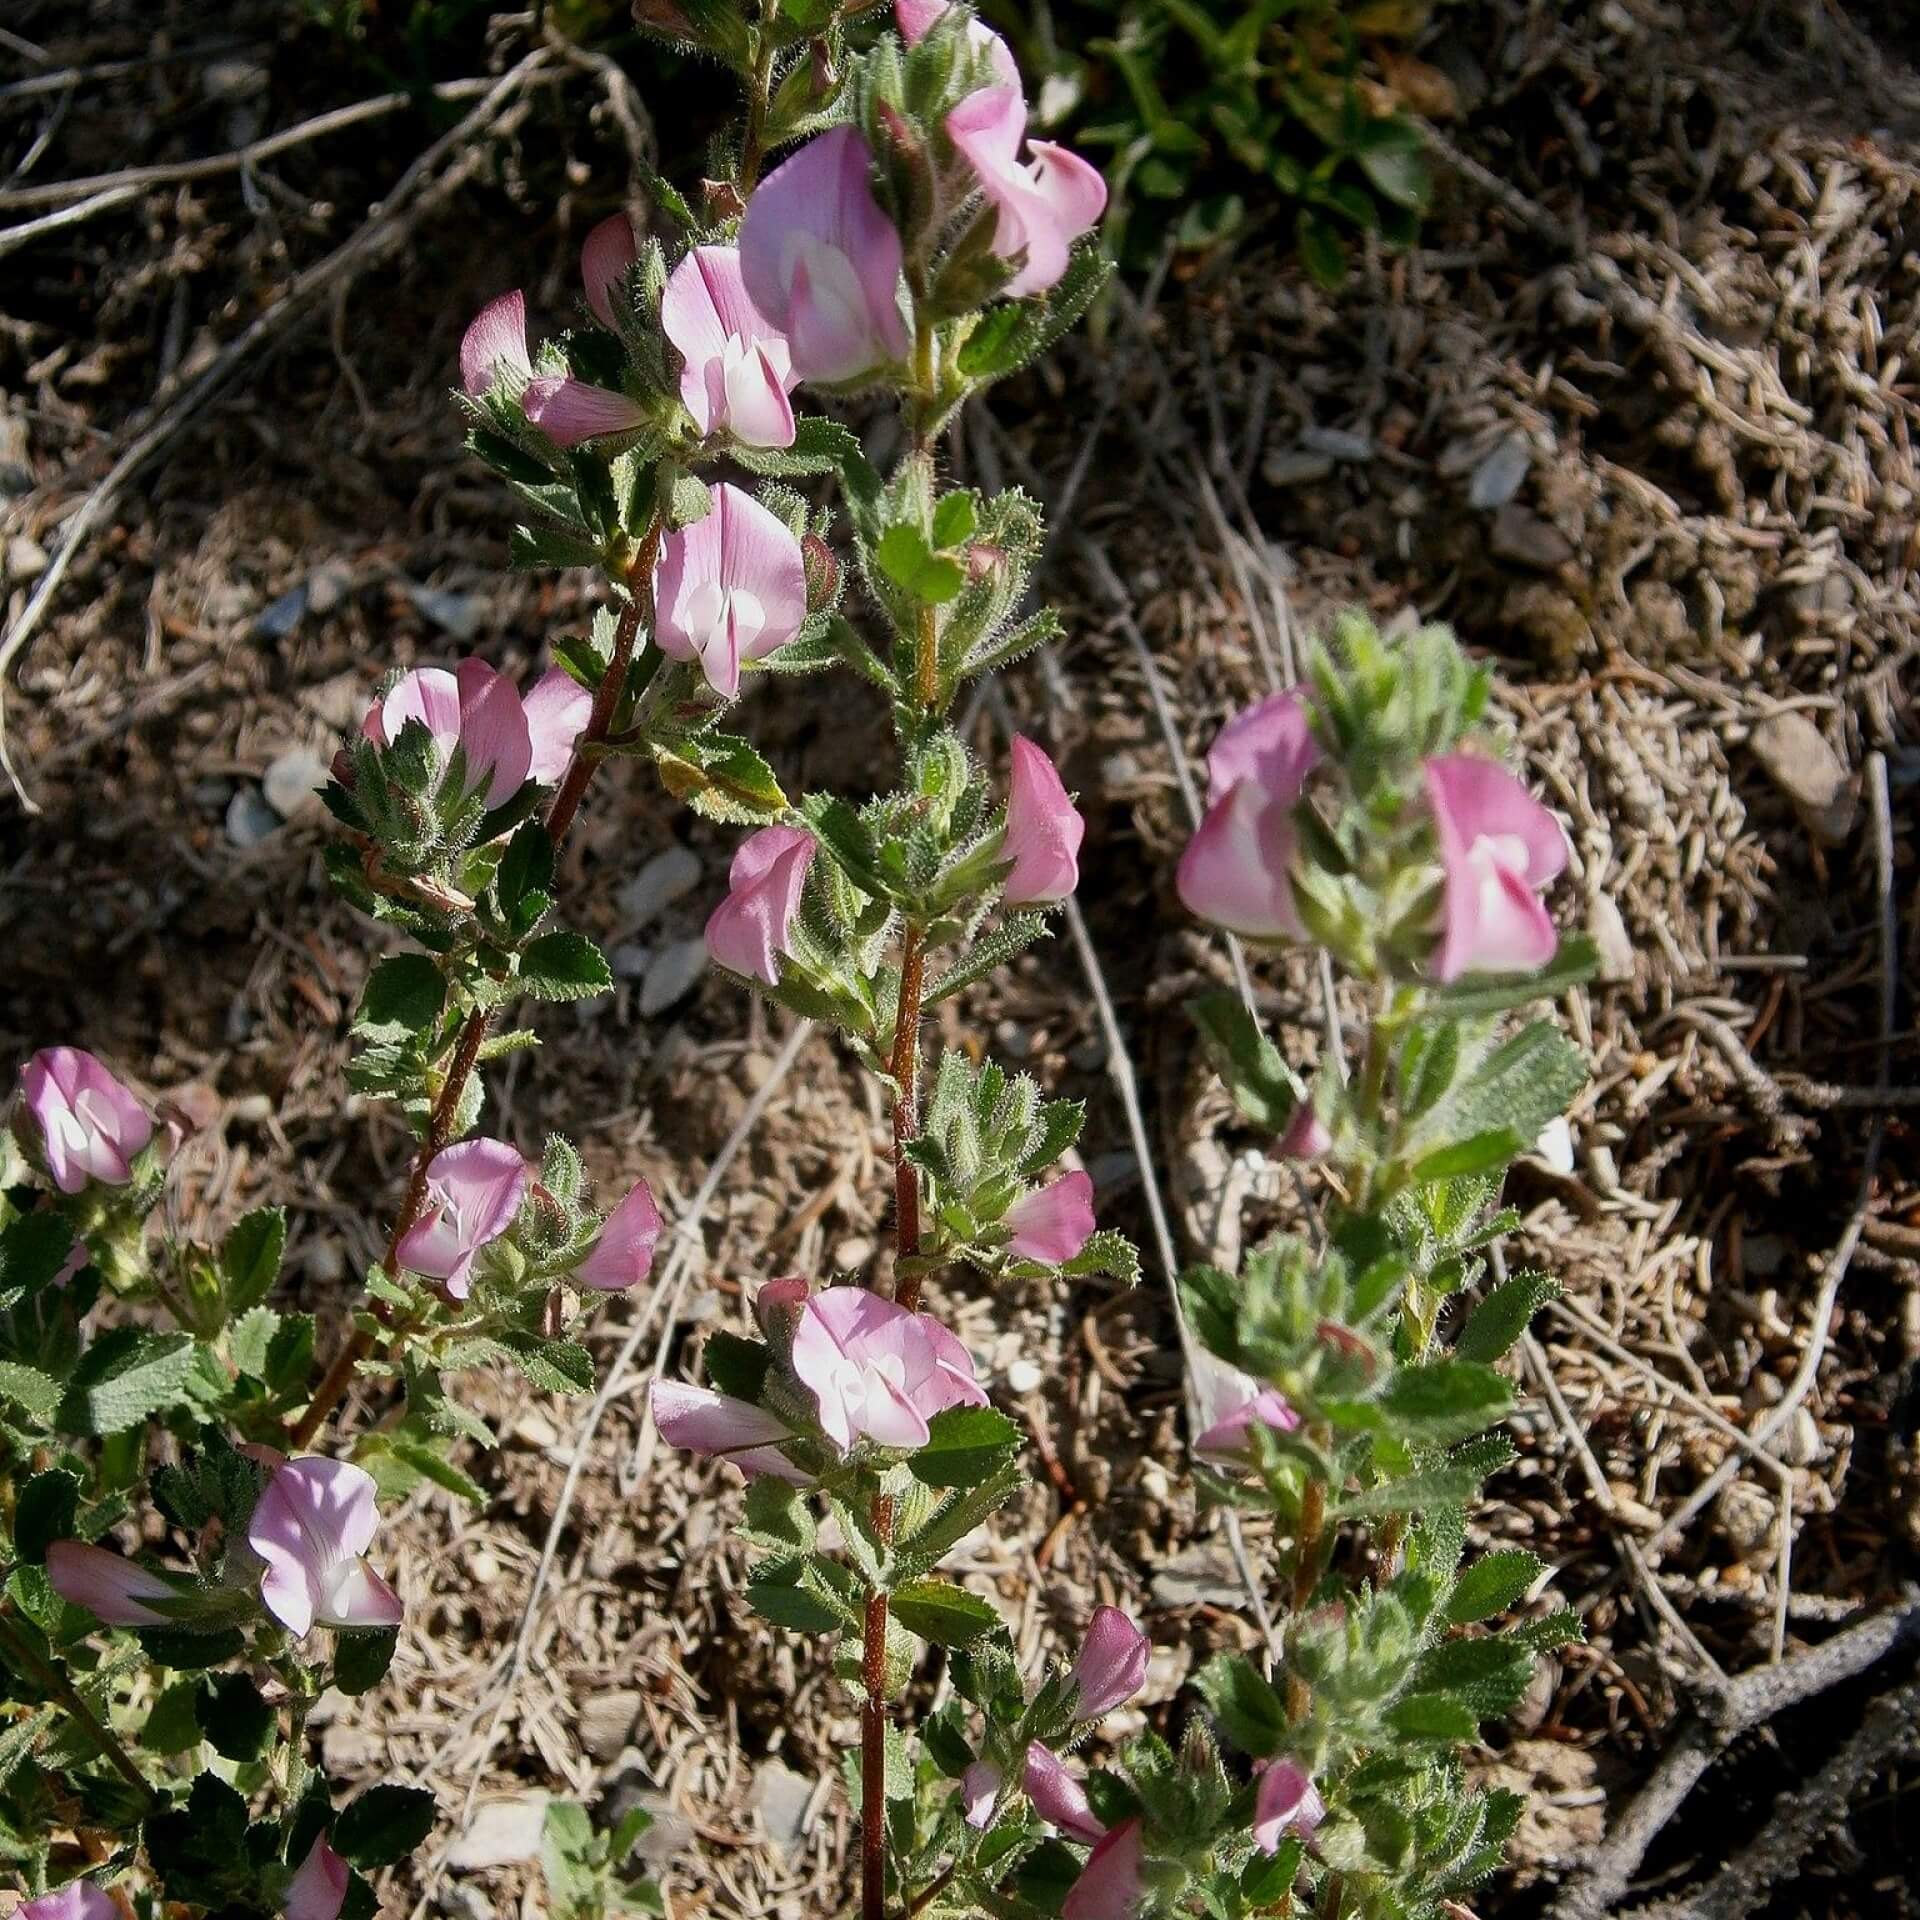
(980, 1791)
(1499, 848)
(915, 19)
(750, 930)
(91, 1127)
(473, 1192)
(1057, 1796)
(77, 1900)
(716, 1424)
(311, 1526)
(777, 1308)
(731, 587)
(110, 1588)
(1044, 204)
(738, 370)
(1044, 831)
(1287, 1802)
(318, 1889)
(605, 257)
(569, 411)
(1305, 1137)
(473, 708)
(557, 709)
(1053, 1223)
(1112, 1664)
(496, 342)
(1235, 870)
(1230, 1403)
(877, 1371)
(623, 1255)
(1110, 1886)
(821, 261)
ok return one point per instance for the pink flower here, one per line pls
(1110, 1886)
(311, 1526)
(623, 1255)
(496, 341)
(472, 708)
(877, 1371)
(1230, 1403)
(77, 1900)
(750, 930)
(738, 370)
(1053, 1223)
(980, 1791)
(915, 19)
(318, 1889)
(731, 587)
(91, 1127)
(821, 261)
(716, 1424)
(110, 1588)
(1235, 870)
(557, 708)
(1306, 1136)
(1499, 848)
(1112, 1664)
(569, 411)
(1057, 1796)
(1044, 831)
(1287, 1800)
(1045, 204)
(605, 257)
(473, 1191)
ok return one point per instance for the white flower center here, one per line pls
(712, 613)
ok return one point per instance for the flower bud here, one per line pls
(1112, 1664)
(623, 1255)
(1111, 1886)
(1058, 1796)
(110, 1587)
(318, 1889)
(1044, 831)
(1053, 1223)
(1287, 1802)
(979, 1791)
(823, 572)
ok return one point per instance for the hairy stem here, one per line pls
(759, 94)
(104, 1739)
(1306, 1561)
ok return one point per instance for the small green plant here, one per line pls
(587, 1869)
(1221, 115)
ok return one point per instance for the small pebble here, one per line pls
(675, 972)
(1338, 443)
(249, 819)
(328, 586)
(1806, 769)
(278, 618)
(1526, 540)
(1294, 467)
(669, 875)
(850, 1255)
(1500, 475)
(1024, 1377)
(457, 614)
(26, 559)
(630, 961)
(293, 781)
(500, 1834)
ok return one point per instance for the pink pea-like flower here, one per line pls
(1110, 1886)
(570, 411)
(473, 1191)
(472, 708)
(1231, 1404)
(821, 260)
(557, 708)
(731, 587)
(722, 1427)
(1235, 869)
(1044, 831)
(111, 1588)
(1111, 1666)
(1053, 1223)
(496, 343)
(1499, 848)
(877, 1371)
(606, 256)
(751, 930)
(1287, 1802)
(318, 1889)
(91, 1126)
(1044, 204)
(980, 1792)
(77, 1900)
(312, 1526)
(738, 369)
(623, 1255)
(915, 19)
(1058, 1796)
(1305, 1136)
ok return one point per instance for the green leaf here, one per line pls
(404, 995)
(383, 1825)
(737, 1367)
(558, 1366)
(947, 1615)
(48, 1506)
(1558, 1629)
(1486, 1676)
(361, 1657)
(794, 1593)
(1492, 1584)
(1432, 1716)
(1488, 1152)
(174, 1724)
(1442, 1486)
(188, 1652)
(905, 558)
(1251, 1713)
(567, 1859)
(1263, 1086)
(27, 1387)
(778, 1517)
(965, 1445)
(1394, 158)
(430, 1463)
(33, 1249)
(721, 776)
(234, 1717)
(1577, 961)
(250, 1256)
(1501, 1318)
(564, 966)
(126, 1376)
(1444, 1401)
(1322, 252)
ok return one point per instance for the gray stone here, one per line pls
(249, 819)
(1806, 769)
(605, 1721)
(630, 960)
(781, 1798)
(26, 559)
(675, 972)
(328, 586)
(293, 781)
(457, 614)
(278, 618)
(1526, 540)
(501, 1833)
(1500, 474)
(1338, 443)
(1610, 935)
(668, 876)
(1202, 1576)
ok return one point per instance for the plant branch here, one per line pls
(63, 1690)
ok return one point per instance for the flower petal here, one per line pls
(1054, 1223)
(1057, 1796)
(623, 1255)
(557, 709)
(318, 1889)
(497, 339)
(605, 257)
(569, 411)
